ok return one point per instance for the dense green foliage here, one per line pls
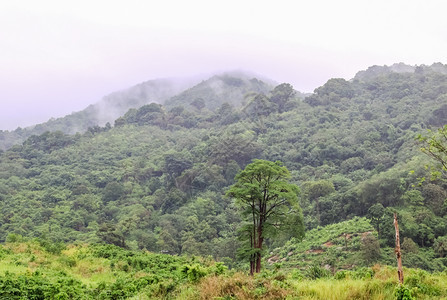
(226, 87)
(211, 94)
(28, 271)
(157, 179)
(435, 146)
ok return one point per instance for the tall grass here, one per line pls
(96, 270)
(241, 286)
(332, 289)
(376, 283)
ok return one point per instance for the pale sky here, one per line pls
(57, 57)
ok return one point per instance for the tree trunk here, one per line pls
(258, 261)
(400, 272)
(259, 246)
(252, 265)
(253, 245)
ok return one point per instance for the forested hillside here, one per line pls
(231, 88)
(105, 111)
(156, 178)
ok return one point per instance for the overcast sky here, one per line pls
(57, 57)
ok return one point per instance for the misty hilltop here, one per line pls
(116, 104)
(228, 87)
(233, 88)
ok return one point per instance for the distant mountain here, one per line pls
(231, 88)
(107, 110)
(227, 87)
(117, 104)
(375, 71)
(191, 93)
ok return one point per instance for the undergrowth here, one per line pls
(30, 271)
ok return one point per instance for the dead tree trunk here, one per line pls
(400, 272)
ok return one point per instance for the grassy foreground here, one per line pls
(40, 270)
(378, 282)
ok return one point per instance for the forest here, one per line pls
(155, 184)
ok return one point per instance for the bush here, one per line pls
(37, 286)
(315, 272)
(363, 273)
(108, 251)
(193, 273)
(341, 275)
(67, 261)
(402, 293)
(51, 246)
(219, 268)
(14, 238)
(423, 282)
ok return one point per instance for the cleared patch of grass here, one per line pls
(241, 286)
(332, 289)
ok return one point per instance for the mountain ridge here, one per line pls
(113, 106)
(179, 91)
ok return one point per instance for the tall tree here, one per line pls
(267, 202)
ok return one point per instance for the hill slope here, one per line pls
(231, 88)
(107, 110)
(228, 87)
(156, 180)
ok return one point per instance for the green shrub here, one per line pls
(402, 293)
(36, 286)
(51, 246)
(341, 275)
(14, 238)
(193, 273)
(68, 261)
(296, 274)
(423, 283)
(316, 271)
(363, 273)
(219, 268)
